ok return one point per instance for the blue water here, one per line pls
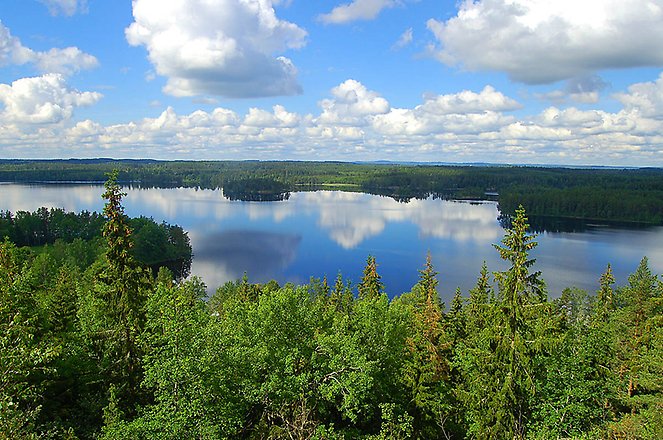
(317, 234)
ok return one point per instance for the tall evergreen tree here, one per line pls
(605, 297)
(370, 286)
(638, 326)
(426, 368)
(118, 306)
(499, 374)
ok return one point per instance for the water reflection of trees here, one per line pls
(256, 190)
(540, 224)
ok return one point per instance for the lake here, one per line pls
(317, 234)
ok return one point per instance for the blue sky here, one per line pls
(502, 81)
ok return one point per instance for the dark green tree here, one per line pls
(637, 326)
(605, 297)
(116, 313)
(21, 357)
(500, 372)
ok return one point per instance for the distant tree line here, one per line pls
(155, 245)
(606, 194)
(256, 189)
(104, 349)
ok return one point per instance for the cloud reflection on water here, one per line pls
(317, 233)
(351, 218)
(225, 256)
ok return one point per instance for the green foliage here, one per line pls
(499, 365)
(24, 355)
(91, 346)
(637, 325)
(118, 304)
(370, 286)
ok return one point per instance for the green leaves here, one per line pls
(101, 350)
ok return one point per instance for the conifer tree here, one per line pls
(499, 375)
(638, 326)
(605, 301)
(121, 291)
(480, 295)
(426, 368)
(370, 286)
(341, 297)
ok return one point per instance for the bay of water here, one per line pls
(317, 234)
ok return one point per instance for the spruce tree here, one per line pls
(605, 297)
(370, 286)
(121, 291)
(499, 372)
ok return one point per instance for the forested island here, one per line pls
(99, 346)
(606, 194)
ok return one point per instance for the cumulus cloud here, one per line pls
(538, 41)
(65, 7)
(584, 90)
(644, 98)
(41, 100)
(218, 47)
(356, 10)
(466, 111)
(356, 123)
(279, 117)
(352, 103)
(64, 61)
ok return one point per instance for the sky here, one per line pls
(569, 82)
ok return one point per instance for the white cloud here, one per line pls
(463, 112)
(355, 123)
(356, 10)
(220, 47)
(280, 117)
(404, 40)
(352, 103)
(65, 7)
(539, 41)
(41, 100)
(470, 102)
(65, 61)
(644, 98)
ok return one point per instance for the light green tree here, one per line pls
(370, 286)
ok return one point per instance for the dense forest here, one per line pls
(56, 232)
(619, 195)
(104, 348)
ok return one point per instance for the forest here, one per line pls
(56, 232)
(606, 194)
(102, 347)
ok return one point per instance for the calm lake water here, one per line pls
(322, 233)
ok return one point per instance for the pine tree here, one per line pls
(427, 285)
(341, 297)
(426, 368)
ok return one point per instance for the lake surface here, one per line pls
(317, 234)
